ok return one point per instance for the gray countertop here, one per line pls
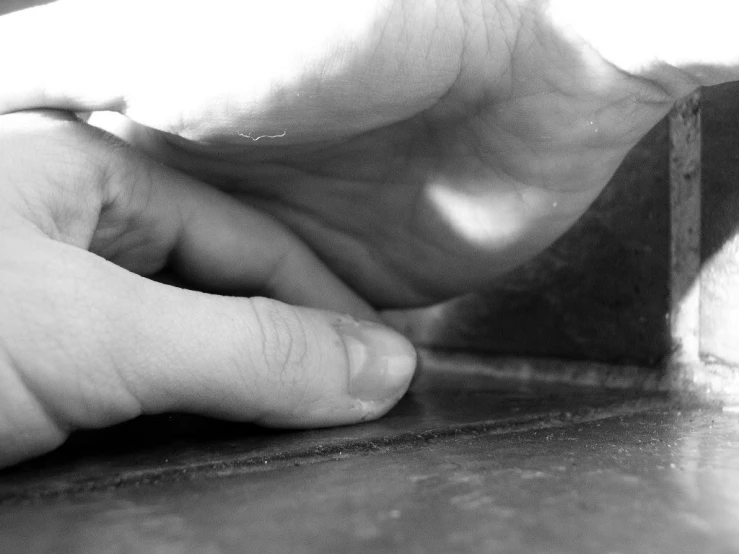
(464, 464)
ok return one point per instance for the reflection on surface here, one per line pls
(706, 454)
(657, 480)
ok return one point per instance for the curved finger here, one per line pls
(84, 343)
(122, 205)
(87, 343)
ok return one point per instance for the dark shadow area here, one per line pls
(599, 293)
(720, 202)
(720, 223)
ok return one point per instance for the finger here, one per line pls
(222, 245)
(86, 343)
(150, 215)
(219, 244)
(79, 356)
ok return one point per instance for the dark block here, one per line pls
(599, 293)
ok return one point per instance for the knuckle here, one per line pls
(286, 349)
(53, 180)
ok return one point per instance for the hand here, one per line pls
(420, 148)
(87, 343)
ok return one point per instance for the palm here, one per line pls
(446, 185)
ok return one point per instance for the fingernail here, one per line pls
(381, 361)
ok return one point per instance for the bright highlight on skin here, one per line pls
(483, 221)
(349, 96)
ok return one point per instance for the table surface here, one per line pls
(465, 463)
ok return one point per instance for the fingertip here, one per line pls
(381, 361)
(351, 371)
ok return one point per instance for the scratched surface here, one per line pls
(652, 482)
(170, 448)
(464, 465)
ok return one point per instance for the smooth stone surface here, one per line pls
(465, 464)
(650, 482)
(170, 448)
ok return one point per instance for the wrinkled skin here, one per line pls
(416, 150)
(464, 180)
(420, 148)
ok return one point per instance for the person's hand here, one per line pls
(420, 148)
(85, 342)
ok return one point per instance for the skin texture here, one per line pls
(368, 154)
(88, 343)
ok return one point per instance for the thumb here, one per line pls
(86, 343)
(256, 359)
(124, 345)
